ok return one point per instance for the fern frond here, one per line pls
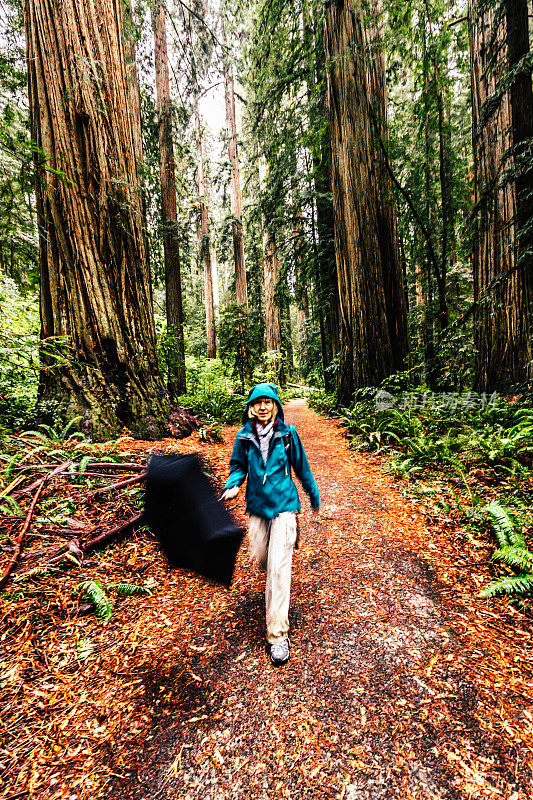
(8, 469)
(518, 557)
(33, 452)
(85, 649)
(504, 527)
(128, 589)
(13, 506)
(93, 590)
(521, 585)
(36, 435)
(71, 424)
(84, 462)
(49, 432)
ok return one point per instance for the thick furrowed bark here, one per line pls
(95, 284)
(367, 354)
(386, 212)
(169, 209)
(502, 319)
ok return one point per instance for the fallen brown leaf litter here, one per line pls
(402, 683)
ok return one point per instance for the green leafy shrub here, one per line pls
(324, 403)
(22, 355)
(210, 392)
(19, 353)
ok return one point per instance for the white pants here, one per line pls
(271, 545)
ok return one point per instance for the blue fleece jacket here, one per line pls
(270, 489)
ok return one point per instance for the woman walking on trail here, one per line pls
(264, 451)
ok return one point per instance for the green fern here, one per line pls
(520, 585)
(10, 465)
(129, 590)
(517, 557)
(12, 509)
(93, 590)
(84, 649)
(504, 527)
(74, 422)
(79, 467)
(513, 551)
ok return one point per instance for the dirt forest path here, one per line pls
(401, 683)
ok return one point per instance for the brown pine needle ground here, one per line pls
(401, 684)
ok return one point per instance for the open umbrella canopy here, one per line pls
(193, 527)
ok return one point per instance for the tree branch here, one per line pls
(457, 21)
(20, 538)
(203, 22)
(120, 485)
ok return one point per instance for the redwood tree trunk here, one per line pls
(328, 310)
(235, 188)
(169, 209)
(367, 352)
(386, 212)
(271, 275)
(302, 296)
(95, 283)
(205, 245)
(502, 279)
(521, 91)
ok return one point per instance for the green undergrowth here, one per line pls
(514, 556)
(19, 354)
(463, 455)
(210, 392)
(22, 454)
(99, 595)
(213, 395)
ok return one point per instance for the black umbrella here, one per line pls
(192, 525)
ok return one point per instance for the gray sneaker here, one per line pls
(279, 653)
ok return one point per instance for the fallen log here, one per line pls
(299, 386)
(113, 533)
(20, 538)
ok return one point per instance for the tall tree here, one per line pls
(95, 282)
(386, 213)
(270, 274)
(520, 69)
(367, 353)
(205, 246)
(502, 113)
(235, 188)
(322, 234)
(169, 208)
(302, 294)
(428, 76)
